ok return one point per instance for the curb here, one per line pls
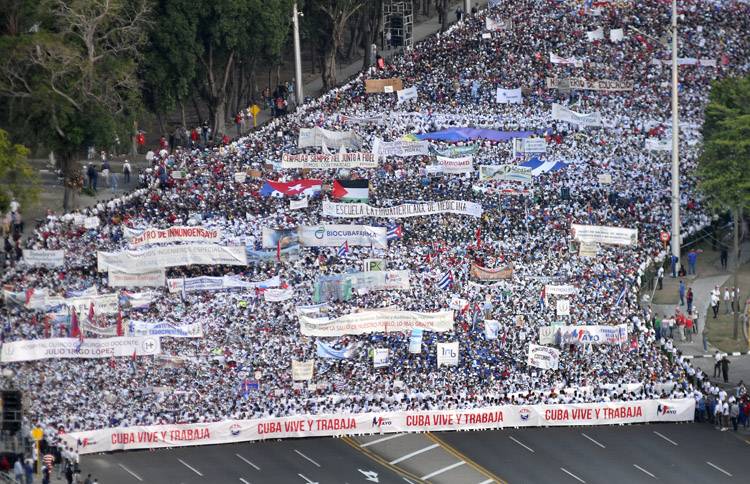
(735, 353)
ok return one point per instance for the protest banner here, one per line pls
(155, 278)
(447, 354)
(171, 235)
(380, 358)
(508, 96)
(457, 303)
(483, 274)
(562, 290)
(593, 334)
(302, 370)
(326, 236)
(556, 59)
(505, 172)
(316, 137)
(463, 164)
(91, 223)
(415, 341)
(491, 328)
(529, 146)
(378, 85)
(142, 328)
(407, 94)
(298, 204)
(278, 295)
(543, 357)
(207, 283)
(455, 151)
(104, 304)
(589, 84)
(357, 210)
(299, 426)
(379, 280)
(171, 256)
(49, 258)
(497, 24)
(562, 113)
(401, 148)
(377, 321)
(330, 162)
(42, 349)
(604, 235)
(377, 119)
(655, 144)
(563, 307)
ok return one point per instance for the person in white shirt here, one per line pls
(727, 298)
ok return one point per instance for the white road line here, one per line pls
(444, 469)
(643, 470)
(522, 445)
(407, 480)
(256, 467)
(488, 481)
(190, 467)
(377, 441)
(243, 480)
(668, 440)
(131, 472)
(303, 455)
(573, 475)
(416, 452)
(719, 468)
(594, 441)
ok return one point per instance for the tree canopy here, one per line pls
(17, 179)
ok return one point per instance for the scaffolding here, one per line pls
(398, 19)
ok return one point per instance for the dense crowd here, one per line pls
(456, 75)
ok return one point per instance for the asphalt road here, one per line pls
(675, 453)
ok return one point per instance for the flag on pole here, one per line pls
(622, 295)
(119, 322)
(278, 251)
(132, 362)
(476, 316)
(74, 329)
(91, 313)
(46, 326)
(393, 232)
(633, 346)
(502, 340)
(479, 237)
(344, 249)
(446, 280)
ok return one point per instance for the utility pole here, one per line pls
(675, 145)
(300, 96)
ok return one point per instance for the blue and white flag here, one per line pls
(491, 327)
(622, 295)
(446, 280)
(344, 249)
(415, 341)
(328, 351)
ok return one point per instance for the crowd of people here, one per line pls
(456, 75)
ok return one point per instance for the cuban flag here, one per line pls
(622, 295)
(446, 280)
(477, 310)
(344, 249)
(292, 188)
(74, 329)
(633, 346)
(393, 232)
(543, 299)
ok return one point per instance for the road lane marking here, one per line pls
(401, 472)
(718, 468)
(573, 475)
(594, 441)
(643, 470)
(522, 445)
(416, 452)
(243, 480)
(256, 467)
(665, 438)
(444, 469)
(190, 467)
(462, 457)
(488, 481)
(377, 441)
(303, 455)
(308, 480)
(131, 472)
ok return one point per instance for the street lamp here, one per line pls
(297, 56)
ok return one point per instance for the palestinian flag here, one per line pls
(351, 190)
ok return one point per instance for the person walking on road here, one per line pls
(705, 338)
(725, 368)
(727, 300)
(660, 276)
(682, 293)
(692, 257)
(717, 364)
(126, 171)
(689, 298)
(715, 303)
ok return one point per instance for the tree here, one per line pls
(724, 165)
(73, 83)
(17, 179)
(332, 19)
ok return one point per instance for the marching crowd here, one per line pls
(456, 75)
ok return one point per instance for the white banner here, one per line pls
(543, 357)
(91, 222)
(316, 137)
(616, 35)
(564, 114)
(155, 278)
(380, 358)
(104, 304)
(655, 144)
(505, 172)
(278, 295)
(357, 210)
(530, 145)
(604, 235)
(400, 148)
(491, 328)
(108, 331)
(51, 258)
(42, 349)
(379, 280)
(508, 96)
(563, 307)
(463, 164)
(171, 256)
(593, 334)
(142, 328)
(334, 161)
(377, 321)
(589, 84)
(556, 59)
(207, 283)
(496, 24)
(297, 204)
(407, 94)
(499, 417)
(302, 370)
(458, 303)
(447, 354)
(326, 236)
(415, 341)
(686, 61)
(594, 35)
(138, 238)
(563, 290)
(240, 177)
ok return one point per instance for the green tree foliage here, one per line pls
(17, 178)
(724, 165)
(73, 82)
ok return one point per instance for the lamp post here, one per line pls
(297, 57)
(675, 145)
